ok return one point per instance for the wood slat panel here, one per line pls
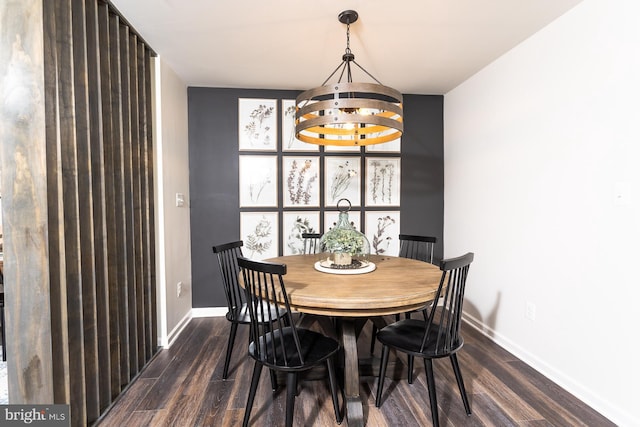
(136, 201)
(85, 208)
(87, 189)
(58, 291)
(98, 202)
(128, 200)
(71, 219)
(118, 206)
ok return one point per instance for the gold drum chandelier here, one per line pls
(348, 113)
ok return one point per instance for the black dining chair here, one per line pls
(436, 337)
(311, 243)
(2, 328)
(237, 314)
(280, 345)
(413, 247)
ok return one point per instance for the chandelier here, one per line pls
(347, 113)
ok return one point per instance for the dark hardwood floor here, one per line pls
(183, 386)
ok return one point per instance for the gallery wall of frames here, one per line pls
(251, 179)
(300, 184)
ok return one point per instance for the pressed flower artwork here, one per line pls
(331, 220)
(342, 180)
(289, 140)
(383, 181)
(389, 147)
(259, 232)
(257, 124)
(258, 181)
(300, 181)
(293, 225)
(382, 230)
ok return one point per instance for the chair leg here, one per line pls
(291, 397)
(334, 389)
(431, 386)
(374, 331)
(410, 373)
(227, 359)
(463, 392)
(381, 374)
(255, 378)
(274, 379)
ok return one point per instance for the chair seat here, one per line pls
(315, 348)
(406, 335)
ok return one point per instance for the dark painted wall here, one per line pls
(213, 167)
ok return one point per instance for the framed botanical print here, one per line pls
(388, 147)
(293, 225)
(258, 181)
(331, 220)
(300, 181)
(382, 183)
(257, 124)
(259, 233)
(342, 180)
(289, 140)
(382, 229)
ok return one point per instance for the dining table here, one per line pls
(396, 285)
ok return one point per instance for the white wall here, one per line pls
(173, 256)
(542, 180)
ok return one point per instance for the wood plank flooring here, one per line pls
(183, 386)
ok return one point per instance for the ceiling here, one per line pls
(414, 46)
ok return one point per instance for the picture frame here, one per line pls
(342, 180)
(258, 179)
(343, 148)
(259, 233)
(257, 124)
(300, 181)
(382, 185)
(293, 225)
(382, 229)
(331, 220)
(289, 140)
(386, 147)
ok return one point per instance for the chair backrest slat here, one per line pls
(266, 296)
(311, 243)
(227, 255)
(417, 247)
(442, 330)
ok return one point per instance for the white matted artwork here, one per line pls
(257, 124)
(342, 180)
(300, 181)
(382, 184)
(382, 229)
(259, 233)
(388, 147)
(293, 225)
(331, 219)
(289, 140)
(258, 181)
(342, 148)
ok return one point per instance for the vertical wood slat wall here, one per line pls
(100, 189)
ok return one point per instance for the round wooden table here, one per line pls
(396, 285)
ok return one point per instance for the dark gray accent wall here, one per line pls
(213, 181)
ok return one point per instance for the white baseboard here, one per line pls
(589, 397)
(175, 332)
